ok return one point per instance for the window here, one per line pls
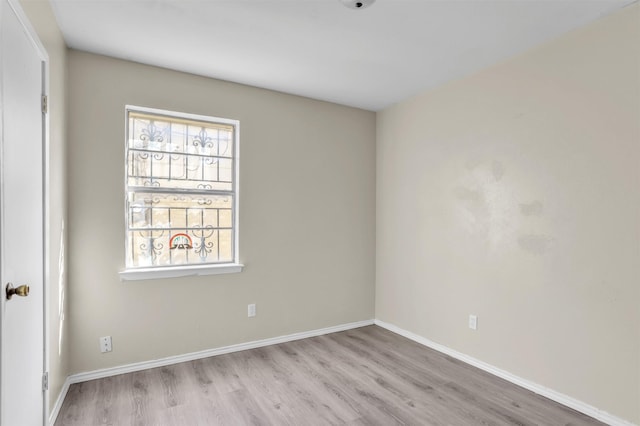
(181, 194)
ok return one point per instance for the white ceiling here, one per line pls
(368, 58)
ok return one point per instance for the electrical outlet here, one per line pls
(105, 344)
(473, 322)
(251, 310)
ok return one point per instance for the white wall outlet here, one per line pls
(105, 344)
(251, 310)
(473, 322)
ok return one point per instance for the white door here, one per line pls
(21, 224)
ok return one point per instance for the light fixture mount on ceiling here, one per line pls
(357, 4)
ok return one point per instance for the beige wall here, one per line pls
(307, 221)
(41, 17)
(513, 195)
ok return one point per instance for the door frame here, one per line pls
(16, 8)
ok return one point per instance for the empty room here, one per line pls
(319, 212)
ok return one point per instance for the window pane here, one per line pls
(176, 229)
(178, 153)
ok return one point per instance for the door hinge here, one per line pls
(45, 101)
(45, 381)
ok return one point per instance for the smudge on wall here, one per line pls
(535, 244)
(534, 208)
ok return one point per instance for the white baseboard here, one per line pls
(58, 404)
(558, 397)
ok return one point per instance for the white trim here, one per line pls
(236, 192)
(179, 271)
(185, 115)
(16, 6)
(58, 404)
(144, 365)
(558, 397)
(234, 265)
(46, 228)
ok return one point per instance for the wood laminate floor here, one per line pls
(366, 376)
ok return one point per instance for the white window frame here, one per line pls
(174, 271)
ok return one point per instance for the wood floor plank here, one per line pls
(366, 376)
(302, 393)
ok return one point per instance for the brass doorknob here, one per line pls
(22, 291)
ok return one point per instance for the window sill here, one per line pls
(178, 271)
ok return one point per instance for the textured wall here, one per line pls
(513, 195)
(41, 17)
(307, 219)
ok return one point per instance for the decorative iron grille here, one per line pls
(181, 189)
